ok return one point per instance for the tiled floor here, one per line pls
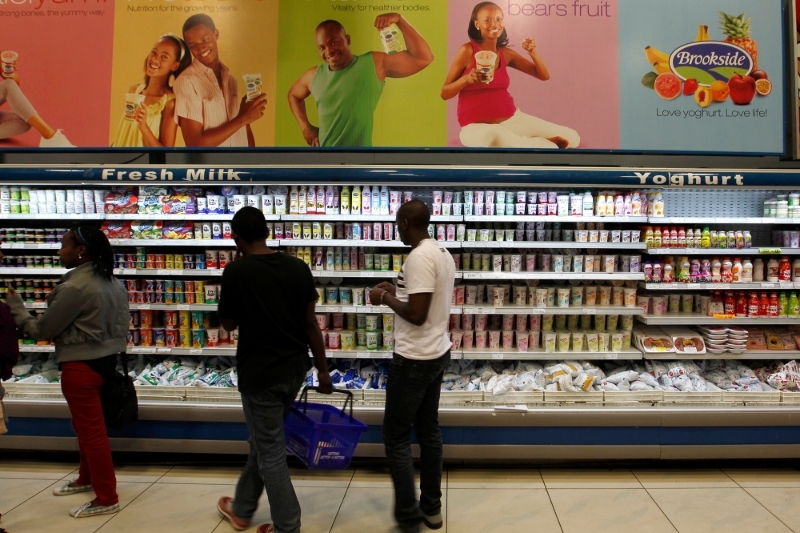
(656, 499)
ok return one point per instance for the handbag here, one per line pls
(118, 397)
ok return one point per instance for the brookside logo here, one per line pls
(710, 61)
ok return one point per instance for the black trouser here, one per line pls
(412, 399)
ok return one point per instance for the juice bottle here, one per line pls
(705, 238)
(647, 268)
(648, 236)
(355, 201)
(741, 305)
(344, 200)
(376, 201)
(366, 201)
(682, 237)
(785, 270)
(684, 274)
(673, 237)
(636, 205)
(588, 204)
(794, 304)
(730, 303)
(311, 200)
(694, 272)
(739, 240)
(689, 238)
(716, 270)
(758, 270)
(748, 239)
(302, 200)
(731, 239)
(722, 240)
(736, 271)
(773, 270)
(627, 209)
(714, 239)
(657, 272)
(320, 200)
(668, 273)
(747, 271)
(657, 241)
(753, 306)
(600, 206)
(774, 306)
(705, 271)
(783, 304)
(727, 270)
(293, 194)
(763, 304)
(796, 270)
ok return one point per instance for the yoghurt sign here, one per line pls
(707, 62)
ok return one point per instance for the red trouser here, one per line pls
(81, 387)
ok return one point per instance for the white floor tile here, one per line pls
(165, 508)
(715, 509)
(48, 513)
(14, 492)
(612, 511)
(500, 511)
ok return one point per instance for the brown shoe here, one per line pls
(225, 508)
(265, 528)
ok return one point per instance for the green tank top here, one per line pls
(346, 102)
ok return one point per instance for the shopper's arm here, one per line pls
(416, 57)
(317, 346)
(456, 80)
(300, 90)
(228, 302)
(415, 310)
(63, 307)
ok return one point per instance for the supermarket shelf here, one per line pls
(537, 218)
(368, 309)
(352, 354)
(717, 286)
(342, 242)
(541, 355)
(54, 216)
(163, 272)
(553, 275)
(357, 243)
(556, 245)
(172, 307)
(32, 348)
(575, 310)
(228, 243)
(167, 218)
(33, 271)
(744, 356)
(723, 220)
(25, 246)
(354, 274)
(732, 252)
(321, 217)
(207, 352)
(695, 319)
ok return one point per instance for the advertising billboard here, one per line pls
(672, 76)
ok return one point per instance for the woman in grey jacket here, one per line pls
(87, 318)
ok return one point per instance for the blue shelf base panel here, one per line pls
(452, 435)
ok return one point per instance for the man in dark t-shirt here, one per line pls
(271, 297)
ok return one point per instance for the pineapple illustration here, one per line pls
(737, 31)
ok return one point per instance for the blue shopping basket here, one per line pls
(322, 436)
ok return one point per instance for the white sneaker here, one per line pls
(59, 140)
(64, 490)
(88, 509)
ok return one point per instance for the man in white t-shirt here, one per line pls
(421, 302)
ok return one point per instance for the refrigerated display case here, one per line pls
(510, 269)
